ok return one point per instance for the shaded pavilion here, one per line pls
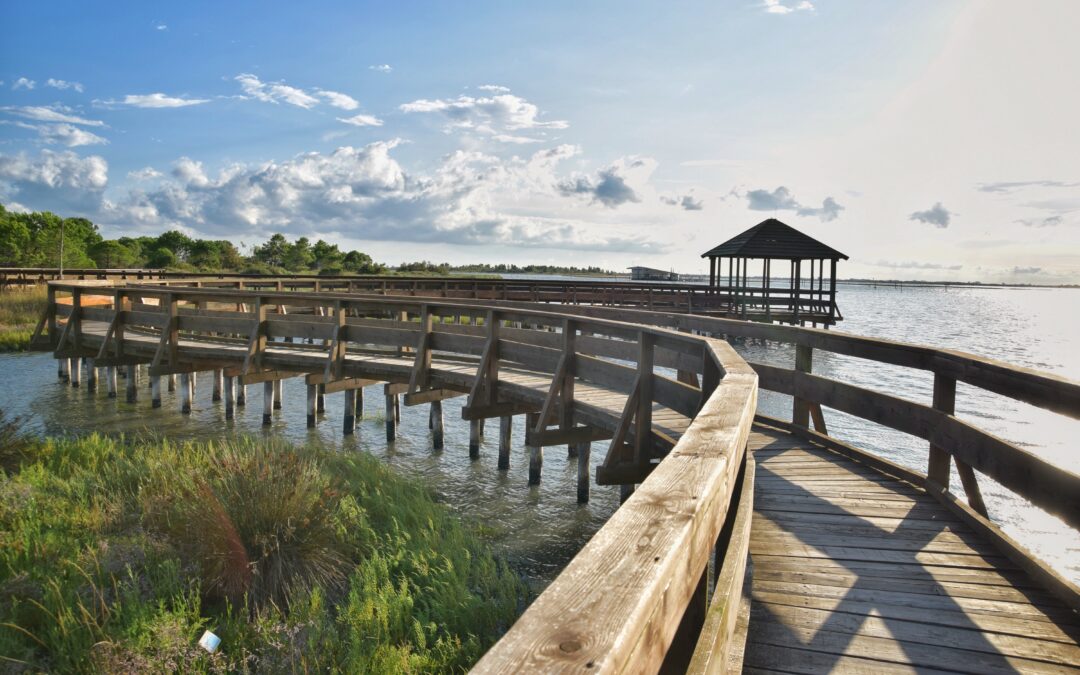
(801, 299)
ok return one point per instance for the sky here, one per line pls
(931, 139)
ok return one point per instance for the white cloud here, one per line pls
(58, 181)
(58, 114)
(781, 199)
(361, 121)
(339, 100)
(274, 92)
(68, 135)
(162, 26)
(487, 114)
(159, 100)
(937, 215)
(1049, 221)
(494, 88)
(687, 202)
(913, 265)
(64, 84)
(23, 83)
(1023, 184)
(382, 68)
(145, 173)
(614, 185)
(778, 7)
(364, 194)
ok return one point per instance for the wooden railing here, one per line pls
(621, 601)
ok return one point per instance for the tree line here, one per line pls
(34, 240)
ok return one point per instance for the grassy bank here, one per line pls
(115, 556)
(19, 313)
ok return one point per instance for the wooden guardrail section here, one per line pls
(598, 379)
(628, 600)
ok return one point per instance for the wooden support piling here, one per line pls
(320, 399)
(241, 393)
(230, 397)
(474, 439)
(349, 422)
(278, 387)
(185, 393)
(91, 376)
(359, 403)
(584, 450)
(172, 382)
(132, 385)
(391, 421)
(155, 391)
(110, 381)
(436, 419)
(76, 372)
(625, 491)
(312, 393)
(506, 423)
(536, 452)
(268, 402)
(218, 385)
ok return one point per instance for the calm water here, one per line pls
(541, 528)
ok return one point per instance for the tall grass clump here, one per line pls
(116, 554)
(20, 310)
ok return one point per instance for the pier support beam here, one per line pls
(320, 399)
(506, 424)
(278, 388)
(436, 419)
(230, 397)
(218, 385)
(172, 382)
(76, 372)
(536, 452)
(391, 418)
(132, 384)
(110, 381)
(61, 369)
(241, 393)
(359, 403)
(350, 412)
(155, 391)
(91, 376)
(584, 450)
(185, 393)
(268, 402)
(474, 439)
(625, 491)
(312, 392)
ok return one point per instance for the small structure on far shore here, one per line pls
(801, 299)
(641, 273)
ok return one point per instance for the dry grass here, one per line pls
(20, 310)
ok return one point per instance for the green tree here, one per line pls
(14, 238)
(177, 242)
(298, 257)
(161, 258)
(110, 253)
(273, 251)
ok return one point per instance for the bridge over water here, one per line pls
(744, 542)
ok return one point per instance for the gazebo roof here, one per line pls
(773, 239)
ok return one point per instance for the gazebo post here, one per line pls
(798, 288)
(766, 269)
(832, 294)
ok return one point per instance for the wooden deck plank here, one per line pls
(854, 571)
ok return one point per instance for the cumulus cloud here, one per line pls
(687, 202)
(613, 185)
(1012, 186)
(381, 68)
(58, 181)
(57, 114)
(494, 88)
(363, 193)
(937, 215)
(778, 7)
(68, 135)
(338, 100)
(1049, 221)
(362, 121)
(491, 115)
(275, 92)
(145, 173)
(23, 83)
(781, 199)
(64, 84)
(159, 100)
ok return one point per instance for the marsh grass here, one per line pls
(116, 554)
(20, 310)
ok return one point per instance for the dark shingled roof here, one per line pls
(773, 239)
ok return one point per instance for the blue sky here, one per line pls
(925, 139)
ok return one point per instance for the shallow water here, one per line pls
(541, 528)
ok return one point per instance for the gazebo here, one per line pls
(800, 300)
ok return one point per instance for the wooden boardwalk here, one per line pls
(855, 571)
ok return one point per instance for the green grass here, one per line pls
(20, 311)
(115, 556)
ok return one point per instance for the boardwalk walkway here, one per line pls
(854, 571)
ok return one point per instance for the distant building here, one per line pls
(639, 273)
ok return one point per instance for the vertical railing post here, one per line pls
(566, 394)
(51, 317)
(804, 363)
(938, 464)
(75, 319)
(643, 415)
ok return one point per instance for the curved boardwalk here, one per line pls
(744, 541)
(855, 571)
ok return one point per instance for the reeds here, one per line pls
(20, 310)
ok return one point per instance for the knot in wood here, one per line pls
(569, 646)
